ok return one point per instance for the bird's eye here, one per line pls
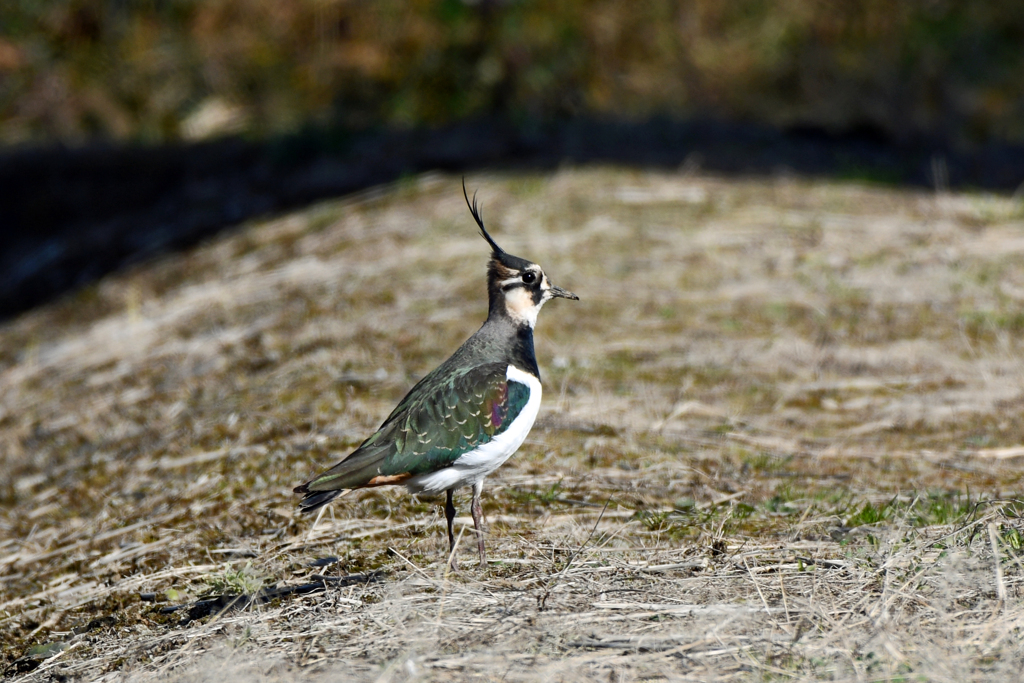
(529, 277)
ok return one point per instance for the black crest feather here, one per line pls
(475, 210)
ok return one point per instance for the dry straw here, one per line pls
(781, 439)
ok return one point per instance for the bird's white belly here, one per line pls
(473, 466)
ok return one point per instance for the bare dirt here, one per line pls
(781, 438)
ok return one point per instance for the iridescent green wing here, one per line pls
(441, 419)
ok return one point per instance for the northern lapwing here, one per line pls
(470, 414)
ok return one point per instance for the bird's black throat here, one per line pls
(522, 351)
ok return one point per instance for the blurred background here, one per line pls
(162, 70)
(141, 125)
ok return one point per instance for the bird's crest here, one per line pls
(475, 210)
(499, 255)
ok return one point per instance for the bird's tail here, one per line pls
(314, 500)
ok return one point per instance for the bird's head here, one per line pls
(516, 288)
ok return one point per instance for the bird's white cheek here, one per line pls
(520, 306)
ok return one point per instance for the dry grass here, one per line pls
(781, 439)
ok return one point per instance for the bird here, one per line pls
(466, 417)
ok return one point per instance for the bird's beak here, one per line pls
(558, 292)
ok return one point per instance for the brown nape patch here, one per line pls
(384, 480)
(501, 271)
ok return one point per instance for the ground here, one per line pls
(781, 439)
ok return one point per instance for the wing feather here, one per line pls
(435, 424)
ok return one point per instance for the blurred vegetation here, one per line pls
(158, 70)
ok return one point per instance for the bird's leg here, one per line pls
(449, 514)
(477, 511)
